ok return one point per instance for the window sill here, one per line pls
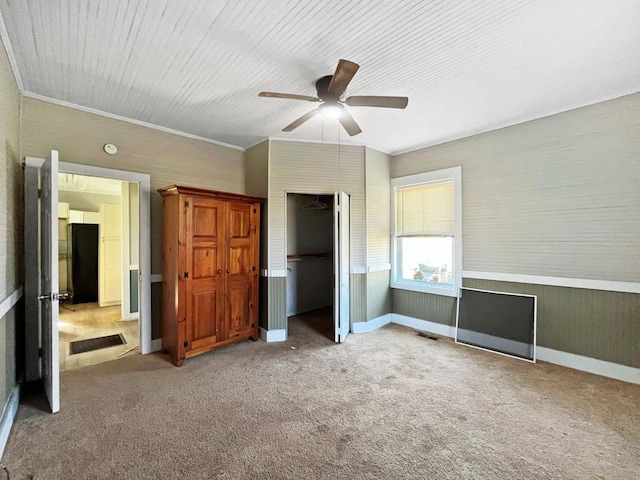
(449, 291)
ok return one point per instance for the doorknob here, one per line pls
(219, 272)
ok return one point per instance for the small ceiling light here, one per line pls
(330, 110)
(110, 149)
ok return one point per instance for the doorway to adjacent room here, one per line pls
(98, 257)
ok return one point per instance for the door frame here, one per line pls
(144, 182)
(336, 293)
(125, 204)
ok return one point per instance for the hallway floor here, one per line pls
(90, 321)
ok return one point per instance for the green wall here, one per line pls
(593, 323)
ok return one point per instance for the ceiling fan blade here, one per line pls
(349, 123)
(342, 76)
(290, 96)
(301, 120)
(385, 102)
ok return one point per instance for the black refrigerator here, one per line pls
(82, 272)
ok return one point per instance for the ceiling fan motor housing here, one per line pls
(322, 87)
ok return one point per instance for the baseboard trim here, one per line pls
(543, 354)
(10, 301)
(424, 325)
(156, 345)
(273, 335)
(590, 365)
(371, 325)
(109, 304)
(8, 416)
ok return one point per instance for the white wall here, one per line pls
(86, 202)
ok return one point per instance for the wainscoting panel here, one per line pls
(592, 323)
(378, 294)
(425, 306)
(277, 303)
(358, 298)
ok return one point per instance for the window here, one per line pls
(427, 232)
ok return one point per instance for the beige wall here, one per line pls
(11, 224)
(314, 168)
(555, 197)
(558, 196)
(168, 158)
(257, 170)
(378, 193)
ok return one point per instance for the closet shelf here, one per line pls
(298, 258)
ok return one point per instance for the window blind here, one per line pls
(425, 209)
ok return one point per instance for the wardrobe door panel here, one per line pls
(204, 262)
(241, 259)
(240, 240)
(204, 276)
(206, 307)
(239, 317)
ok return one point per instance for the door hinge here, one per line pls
(255, 211)
(39, 193)
(40, 353)
(251, 305)
(186, 274)
(186, 204)
(54, 296)
(186, 344)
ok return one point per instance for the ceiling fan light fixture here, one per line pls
(331, 91)
(331, 111)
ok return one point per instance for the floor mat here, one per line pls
(91, 344)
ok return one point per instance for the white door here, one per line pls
(341, 266)
(110, 255)
(49, 279)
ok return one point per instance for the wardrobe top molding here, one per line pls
(180, 189)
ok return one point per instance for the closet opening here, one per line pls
(310, 265)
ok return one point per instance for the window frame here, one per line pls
(437, 176)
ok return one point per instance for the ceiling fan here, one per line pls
(330, 91)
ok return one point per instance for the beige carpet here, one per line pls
(385, 405)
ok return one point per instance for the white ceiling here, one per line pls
(70, 182)
(197, 66)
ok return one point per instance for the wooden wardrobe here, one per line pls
(210, 251)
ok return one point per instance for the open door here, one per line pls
(341, 266)
(49, 278)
